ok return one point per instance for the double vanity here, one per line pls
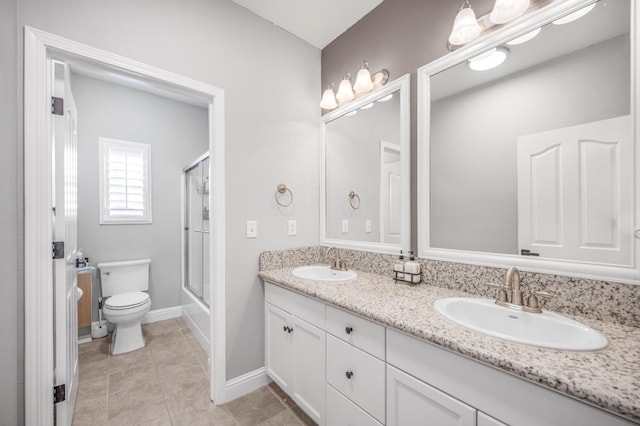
(370, 351)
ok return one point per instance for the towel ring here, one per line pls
(352, 196)
(282, 189)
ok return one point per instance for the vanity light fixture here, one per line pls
(465, 25)
(363, 82)
(367, 106)
(329, 98)
(352, 113)
(489, 59)
(507, 10)
(386, 98)
(575, 15)
(345, 91)
(525, 38)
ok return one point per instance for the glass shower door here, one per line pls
(197, 228)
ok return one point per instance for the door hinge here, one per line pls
(57, 248)
(59, 393)
(57, 106)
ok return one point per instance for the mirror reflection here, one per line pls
(364, 174)
(535, 157)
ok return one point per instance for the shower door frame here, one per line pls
(38, 280)
(186, 224)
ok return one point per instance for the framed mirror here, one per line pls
(534, 163)
(365, 172)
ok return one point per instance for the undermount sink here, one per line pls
(322, 273)
(546, 330)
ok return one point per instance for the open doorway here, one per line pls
(40, 344)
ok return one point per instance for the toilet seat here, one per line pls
(127, 300)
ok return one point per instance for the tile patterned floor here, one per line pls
(166, 383)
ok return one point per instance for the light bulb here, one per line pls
(525, 38)
(465, 27)
(574, 16)
(345, 92)
(507, 10)
(328, 99)
(489, 59)
(363, 82)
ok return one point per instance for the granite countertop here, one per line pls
(609, 378)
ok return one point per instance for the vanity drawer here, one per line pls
(301, 306)
(342, 412)
(357, 375)
(356, 330)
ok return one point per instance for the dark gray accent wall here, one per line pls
(401, 36)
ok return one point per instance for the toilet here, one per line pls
(124, 287)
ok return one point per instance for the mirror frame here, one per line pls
(626, 274)
(402, 85)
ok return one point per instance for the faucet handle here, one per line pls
(533, 304)
(501, 296)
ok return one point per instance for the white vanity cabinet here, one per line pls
(493, 397)
(356, 366)
(295, 348)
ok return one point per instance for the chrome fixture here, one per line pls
(354, 200)
(337, 264)
(282, 189)
(365, 83)
(517, 300)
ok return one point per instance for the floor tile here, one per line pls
(193, 407)
(277, 390)
(256, 407)
(160, 327)
(135, 359)
(90, 411)
(95, 387)
(284, 418)
(147, 393)
(130, 380)
(154, 414)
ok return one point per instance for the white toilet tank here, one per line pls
(124, 276)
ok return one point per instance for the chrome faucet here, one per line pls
(516, 301)
(337, 264)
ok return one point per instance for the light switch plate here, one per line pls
(292, 227)
(367, 226)
(345, 226)
(252, 229)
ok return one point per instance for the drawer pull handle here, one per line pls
(349, 330)
(349, 374)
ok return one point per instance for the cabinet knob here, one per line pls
(287, 329)
(349, 374)
(348, 330)
(290, 330)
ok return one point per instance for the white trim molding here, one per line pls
(162, 314)
(39, 47)
(247, 383)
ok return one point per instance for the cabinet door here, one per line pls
(412, 402)
(278, 346)
(309, 368)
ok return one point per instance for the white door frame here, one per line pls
(38, 306)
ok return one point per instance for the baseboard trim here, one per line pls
(246, 383)
(162, 314)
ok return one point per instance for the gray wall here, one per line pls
(353, 164)
(11, 227)
(177, 133)
(271, 118)
(474, 203)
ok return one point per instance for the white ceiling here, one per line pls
(318, 22)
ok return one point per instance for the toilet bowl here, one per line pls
(126, 311)
(124, 285)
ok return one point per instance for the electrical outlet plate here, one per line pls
(292, 227)
(252, 229)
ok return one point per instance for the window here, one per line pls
(125, 182)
